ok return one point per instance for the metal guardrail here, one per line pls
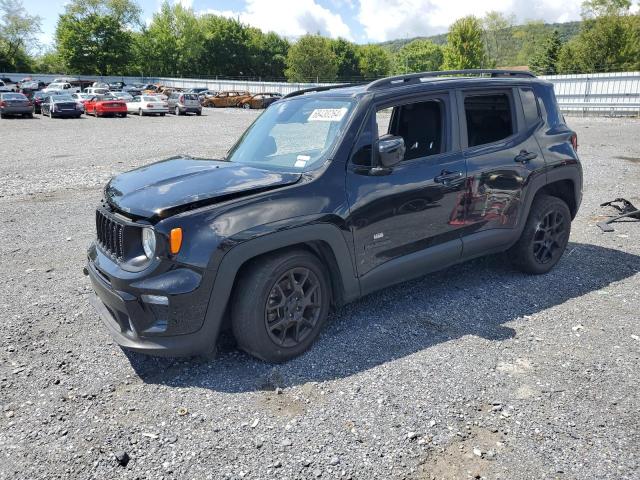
(587, 94)
(609, 94)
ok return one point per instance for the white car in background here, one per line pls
(61, 87)
(147, 105)
(4, 87)
(161, 96)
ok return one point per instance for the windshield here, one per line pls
(63, 98)
(14, 96)
(296, 135)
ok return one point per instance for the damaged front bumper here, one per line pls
(161, 312)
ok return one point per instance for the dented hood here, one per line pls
(171, 186)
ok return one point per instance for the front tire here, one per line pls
(177, 111)
(280, 304)
(545, 236)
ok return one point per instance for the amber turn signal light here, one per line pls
(175, 240)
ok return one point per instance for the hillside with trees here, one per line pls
(109, 37)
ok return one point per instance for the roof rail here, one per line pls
(417, 77)
(320, 89)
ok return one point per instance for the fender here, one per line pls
(238, 255)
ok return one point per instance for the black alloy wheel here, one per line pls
(280, 304)
(293, 307)
(549, 237)
(544, 237)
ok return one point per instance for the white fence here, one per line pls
(585, 94)
(598, 93)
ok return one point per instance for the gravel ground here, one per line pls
(474, 372)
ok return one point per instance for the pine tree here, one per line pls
(545, 61)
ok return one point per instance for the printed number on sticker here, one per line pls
(327, 114)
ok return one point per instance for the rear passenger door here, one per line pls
(502, 157)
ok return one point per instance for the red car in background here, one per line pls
(103, 105)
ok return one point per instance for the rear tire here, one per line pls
(545, 236)
(140, 112)
(275, 318)
(177, 111)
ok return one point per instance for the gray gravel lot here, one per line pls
(477, 371)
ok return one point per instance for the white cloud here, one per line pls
(291, 18)
(184, 3)
(391, 19)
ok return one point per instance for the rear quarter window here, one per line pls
(529, 106)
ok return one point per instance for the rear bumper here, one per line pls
(16, 110)
(100, 111)
(155, 110)
(67, 114)
(190, 109)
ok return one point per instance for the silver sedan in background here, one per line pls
(147, 105)
(15, 104)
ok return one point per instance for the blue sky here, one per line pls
(362, 21)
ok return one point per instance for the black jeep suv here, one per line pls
(331, 194)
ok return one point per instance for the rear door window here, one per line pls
(489, 117)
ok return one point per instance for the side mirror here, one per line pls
(391, 150)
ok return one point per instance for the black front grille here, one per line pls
(110, 234)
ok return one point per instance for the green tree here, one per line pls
(465, 46)
(498, 37)
(95, 37)
(227, 47)
(269, 54)
(374, 61)
(18, 34)
(48, 62)
(418, 56)
(531, 37)
(311, 59)
(600, 8)
(605, 44)
(545, 61)
(347, 54)
(172, 44)
(569, 58)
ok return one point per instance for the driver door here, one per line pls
(405, 219)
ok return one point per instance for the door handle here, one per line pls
(446, 176)
(524, 156)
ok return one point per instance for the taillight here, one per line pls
(29, 103)
(149, 105)
(574, 142)
(3, 104)
(181, 99)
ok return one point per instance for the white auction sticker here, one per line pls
(301, 161)
(327, 114)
